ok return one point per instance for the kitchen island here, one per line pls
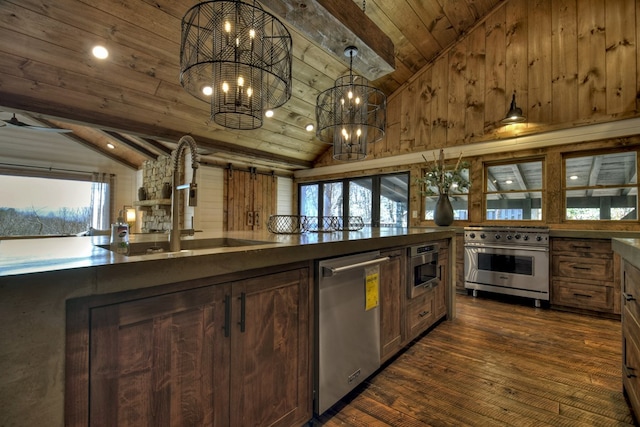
(629, 251)
(42, 280)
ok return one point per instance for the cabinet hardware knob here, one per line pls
(628, 297)
(424, 313)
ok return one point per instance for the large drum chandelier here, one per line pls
(237, 57)
(351, 114)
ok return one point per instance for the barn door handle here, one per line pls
(628, 297)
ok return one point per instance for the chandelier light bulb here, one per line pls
(252, 33)
(207, 90)
(249, 91)
(225, 87)
(240, 81)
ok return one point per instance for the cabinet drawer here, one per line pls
(600, 269)
(582, 295)
(631, 291)
(581, 245)
(631, 363)
(420, 314)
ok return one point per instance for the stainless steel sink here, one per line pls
(143, 248)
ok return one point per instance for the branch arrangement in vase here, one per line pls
(437, 175)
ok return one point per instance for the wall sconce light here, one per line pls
(515, 114)
(129, 216)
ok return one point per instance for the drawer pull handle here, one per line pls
(628, 372)
(579, 267)
(227, 315)
(424, 313)
(628, 297)
(580, 247)
(583, 295)
(243, 306)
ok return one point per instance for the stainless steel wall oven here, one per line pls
(507, 260)
(423, 270)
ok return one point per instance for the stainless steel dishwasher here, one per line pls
(347, 325)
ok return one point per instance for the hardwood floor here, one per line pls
(497, 364)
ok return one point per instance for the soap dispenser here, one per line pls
(120, 236)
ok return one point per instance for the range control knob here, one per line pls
(525, 237)
(498, 237)
(538, 238)
(517, 236)
(472, 235)
(509, 237)
(482, 236)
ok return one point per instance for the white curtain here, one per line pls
(101, 200)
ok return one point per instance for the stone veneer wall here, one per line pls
(155, 174)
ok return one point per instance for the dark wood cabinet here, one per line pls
(160, 361)
(234, 353)
(426, 309)
(631, 334)
(584, 275)
(392, 290)
(270, 350)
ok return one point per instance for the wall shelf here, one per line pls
(152, 203)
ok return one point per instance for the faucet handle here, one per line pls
(193, 194)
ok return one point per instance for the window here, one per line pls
(513, 191)
(37, 206)
(602, 186)
(459, 200)
(381, 200)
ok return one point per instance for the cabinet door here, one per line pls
(392, 289)
(440, 291)
(271, 362)
(161, 360)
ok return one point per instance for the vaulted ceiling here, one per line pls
(134, 100)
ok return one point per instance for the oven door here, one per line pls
(514, 271)
(424, 273)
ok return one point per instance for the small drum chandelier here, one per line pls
(351, 114)
(237, 57)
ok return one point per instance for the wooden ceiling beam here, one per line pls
(337, 24)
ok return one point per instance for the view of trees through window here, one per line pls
(381, 200)
(31, 206)
(601, 186)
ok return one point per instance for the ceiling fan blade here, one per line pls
(14, 122)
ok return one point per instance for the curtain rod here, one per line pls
(13, 167)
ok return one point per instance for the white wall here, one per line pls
(285, 196)
(208, 213)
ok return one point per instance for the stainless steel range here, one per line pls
(507, 260)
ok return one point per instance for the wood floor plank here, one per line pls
(497, 364)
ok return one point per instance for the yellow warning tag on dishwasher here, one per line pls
(372, 284)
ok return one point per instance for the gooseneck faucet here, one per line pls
(185, 141)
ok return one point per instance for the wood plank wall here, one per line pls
(570, 62)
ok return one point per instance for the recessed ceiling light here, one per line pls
(509, 181)
(309, 127)
(100, 52)
(269, 113)
(207, 90)
(111, 146)
(573, 177)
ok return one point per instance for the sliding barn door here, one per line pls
(250, 199)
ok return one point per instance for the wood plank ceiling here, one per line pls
(134, 98)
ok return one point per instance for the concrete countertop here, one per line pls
(23, 261)
(628, 249)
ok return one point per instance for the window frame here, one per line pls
(375, 199)
(514, 161)
(598, 152)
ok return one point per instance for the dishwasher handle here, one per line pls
(331, 271)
